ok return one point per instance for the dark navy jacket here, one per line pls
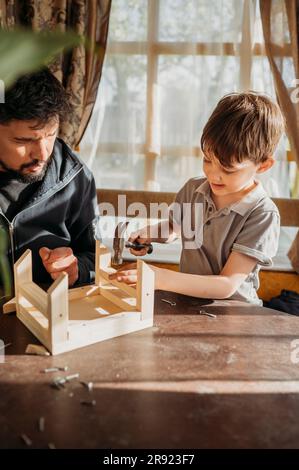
(60, 213)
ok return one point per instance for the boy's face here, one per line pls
(239, 177)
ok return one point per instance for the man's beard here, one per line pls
(28, 177)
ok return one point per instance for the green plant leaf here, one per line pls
(23, 51)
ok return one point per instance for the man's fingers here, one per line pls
(57, 259)
(44, 253)
(54, 276)
(61, 264)
(59, 253)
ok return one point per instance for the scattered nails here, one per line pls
(26, 440)
(58, 382)
(68, 378)
(55, 369)
(170, 302)
(88, 403)
(41, 424)
(88, 385)
(50, 369)
(51, 445)
(203, 312)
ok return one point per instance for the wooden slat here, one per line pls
(144, 197)
(35, 295)
(289, 211)
(121, 285)
(288, 208)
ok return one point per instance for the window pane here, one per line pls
(173, 172)
(123, 93)
(190, 87)
(200, 20)
(119, 171)
(128, 20)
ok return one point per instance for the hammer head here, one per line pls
(119, 243)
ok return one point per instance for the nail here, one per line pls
(88, 403)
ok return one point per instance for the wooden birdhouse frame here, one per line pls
(65, 319)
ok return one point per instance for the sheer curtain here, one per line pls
(168, 62)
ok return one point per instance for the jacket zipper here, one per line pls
(11, 223)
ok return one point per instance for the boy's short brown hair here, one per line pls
(243, 126)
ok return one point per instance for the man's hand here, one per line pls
(60, 260)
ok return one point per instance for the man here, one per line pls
(47, 195)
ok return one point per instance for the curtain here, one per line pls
(280, 28)
(80, 70)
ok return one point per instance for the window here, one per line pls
(168, 62)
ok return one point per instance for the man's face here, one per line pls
(25, 150)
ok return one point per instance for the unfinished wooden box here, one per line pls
(64, 319)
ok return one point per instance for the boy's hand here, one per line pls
(141, 236)
(60, 260)
(126, 274)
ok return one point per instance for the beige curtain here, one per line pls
(281, 32)
(280, 28)
(79, 71)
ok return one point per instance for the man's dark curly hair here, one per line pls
(37, 96)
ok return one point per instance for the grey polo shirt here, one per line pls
(250, 226)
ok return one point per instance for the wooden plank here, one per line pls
(145, 290)
(289, 211)
(121, 285)
(34, 326)
(272, 283)
(35, 295)
(143, 197)
(82, 292)
(10, 306)
(288, 208)
(58, 310)
(116, 297)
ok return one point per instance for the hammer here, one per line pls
(119, 244)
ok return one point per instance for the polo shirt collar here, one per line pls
(247, 203)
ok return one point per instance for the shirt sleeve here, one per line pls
(259, 237)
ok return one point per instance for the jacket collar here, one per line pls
(63, 166)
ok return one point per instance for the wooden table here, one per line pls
(189, 382)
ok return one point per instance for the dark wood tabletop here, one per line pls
(191, 381)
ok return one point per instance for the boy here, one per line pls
(240, 223)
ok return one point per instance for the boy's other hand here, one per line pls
(126, 274)
(60, 260)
